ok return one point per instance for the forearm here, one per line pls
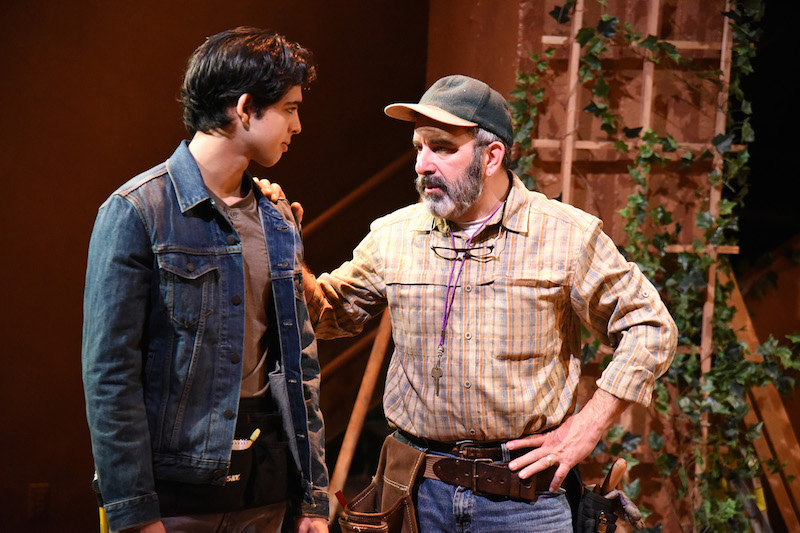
(597, 416)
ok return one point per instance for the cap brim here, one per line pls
(409, 112)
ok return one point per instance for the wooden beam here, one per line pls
(560, 40)
(568, 143)
(725, 249)
(778, 441)
(357, 193)
(359, 414)
(610, 145)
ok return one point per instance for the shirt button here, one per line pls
(468, 288)
(472, 432)
(228, 414)
(236, 300)
(235, 358)
(467, 384)
(230, 239)
(468, 335)
(645, 294)
(190, 267)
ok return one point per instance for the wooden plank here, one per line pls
(357, 193)
(561, 40)
(648, 68)
(359, 414)
(726, 249)
(778, 440)
(568, 144)
(610, 145)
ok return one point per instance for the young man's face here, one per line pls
(270, 134)
(449, 169)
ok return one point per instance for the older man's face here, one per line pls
(449, 169)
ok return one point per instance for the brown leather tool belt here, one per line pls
(481, 467)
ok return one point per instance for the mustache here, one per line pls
(429, 180)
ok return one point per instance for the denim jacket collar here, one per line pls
(186, 178)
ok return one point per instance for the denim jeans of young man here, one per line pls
(447, 508)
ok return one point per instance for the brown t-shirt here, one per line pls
(244, 216)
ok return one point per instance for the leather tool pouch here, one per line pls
(386, 505)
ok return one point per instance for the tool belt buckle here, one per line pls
(475, 463)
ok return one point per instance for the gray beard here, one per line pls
(456, 197)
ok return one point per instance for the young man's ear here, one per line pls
(494, 157)
(244, 110)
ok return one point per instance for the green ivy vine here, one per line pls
(705, 471)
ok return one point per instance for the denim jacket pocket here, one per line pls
(187, 285)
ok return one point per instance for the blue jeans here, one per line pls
(447, 508)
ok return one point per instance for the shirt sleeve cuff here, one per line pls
(630, 384)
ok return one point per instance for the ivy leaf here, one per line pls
(561, 13)
(726, 206)
(723, 143)
(584, 35)
(666, 464)
(655, 441)
(607, 27)
(633, 489)
(600, 88)
(588, 353)
(630, 441)
(632, 133)
(670, 51)
(595, 108)
(592, 62)
(519, 93)
(650, 43)
(661, 215)
(519, 107)
(668, 143)
(704, 220)
(748, 135)
(600, 448)
(615, 433)
(622, 147)
(687, 160)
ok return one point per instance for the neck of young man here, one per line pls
(495, 191)
(221, 163)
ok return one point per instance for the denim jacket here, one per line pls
(163, 336)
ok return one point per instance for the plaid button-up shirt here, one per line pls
(512, 355)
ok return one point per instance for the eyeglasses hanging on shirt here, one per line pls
(480, 253)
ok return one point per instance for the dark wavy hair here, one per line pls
(243, 60)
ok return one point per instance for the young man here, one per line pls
(199, 361)
(488, 284)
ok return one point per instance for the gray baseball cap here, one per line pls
(460, 101)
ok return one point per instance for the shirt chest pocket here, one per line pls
(529, 308)
(416, 301)
(187, 286)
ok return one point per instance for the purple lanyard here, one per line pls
(450, 299)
